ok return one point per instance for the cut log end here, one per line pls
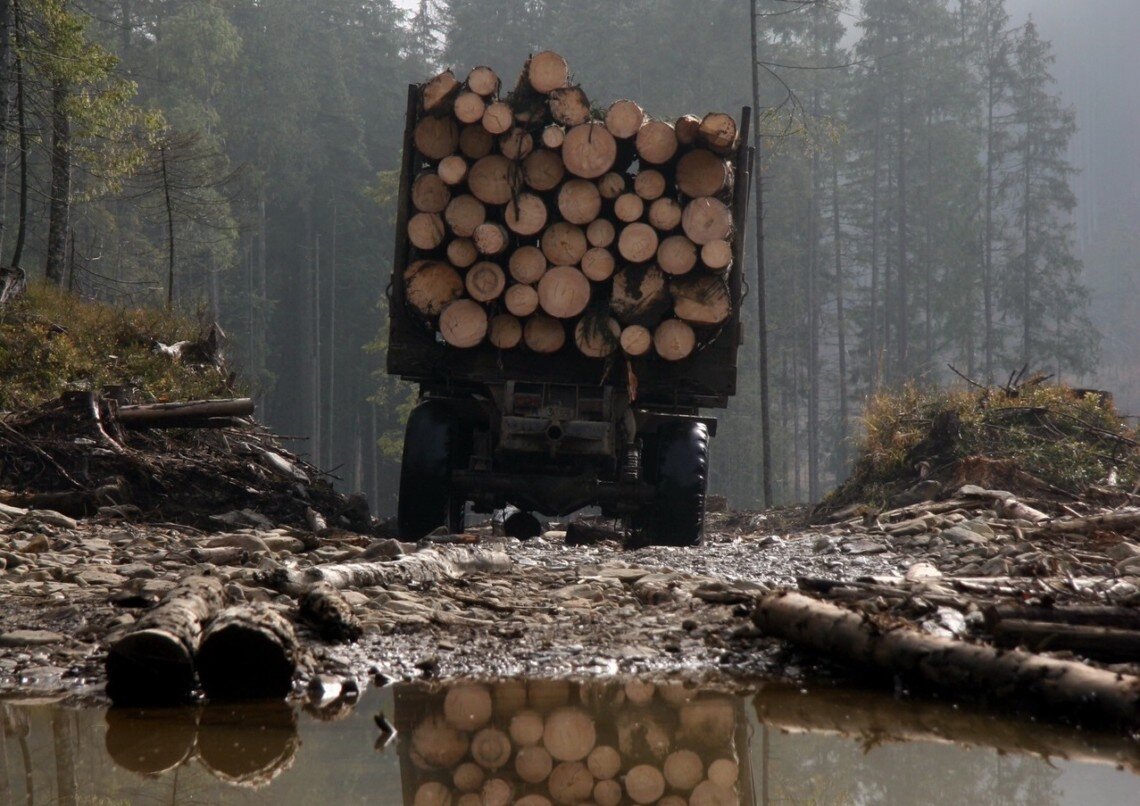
(624, 118)
(637, 242)
(485, 281)
(656, 142)
(483, 81)
(505, 332)
(674, 340)
(563, 292)
(597, 336)
(463, 324)
(547, 71)
(579, 201)
(636, 340)
(589, 150)
(544, 334)
(527, 264)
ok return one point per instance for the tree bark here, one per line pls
(702, 299)
(325, 608)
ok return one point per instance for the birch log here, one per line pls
(247, 652)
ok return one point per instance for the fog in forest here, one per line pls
(904, 232)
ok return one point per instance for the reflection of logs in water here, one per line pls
(556, 742)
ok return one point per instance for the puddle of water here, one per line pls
(541, 742)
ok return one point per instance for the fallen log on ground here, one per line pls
(159, 415)
(1108, 644)
(326, 609)
(247, 652)
(1108, 522)
(1058, 687)
(154, 663)
(423, 567)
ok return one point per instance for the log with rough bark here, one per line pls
(656, 142)
(579, 201)
(426, 231)
(717, 255)
(598, 264)
(247, 652)
(546, 71)
(527, 264)
(469, 107)
(543, 170)
(677, 255)
(483, 80)
(665, 214)
(505, 331)
(702, 299)
(1120, 521)
(600, 232)
(421, 568)
(463, 214)
(1055, 687)
(637, 242)
(452, 170)
(636, 340)
(525, 214)
(706, 219)
(153, 664)
(569, 106)
(517, 144)
(489, 179)
(475, 142)
(589, 150)
(324, 607)
(639, 295)
(702, 173)
(491, 238)
(564, 244)
(718, 131)
(563, 292)
(650, 184)
(624, 118)
(544, 334)
(430, 194)
(686, 128)
(157, 413)
(431, 285)
(597, 336)
(438, 93)
(498, 118)
(485, 281)
(436, 138)
(1127, 618)
(674, 340)
(1107, 644)
(463, 323)
(628, 207)
(461, 252)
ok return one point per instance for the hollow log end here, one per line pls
(149, 667)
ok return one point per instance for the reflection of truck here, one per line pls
(554, 433)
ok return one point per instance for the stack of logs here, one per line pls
(537, 219)
(544, 742)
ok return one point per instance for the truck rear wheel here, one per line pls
(432, 446)
(680, 477)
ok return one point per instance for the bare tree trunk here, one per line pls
(1027, 266)
(902, 304)
(813, 324)
(169, 229)
(988, 256)
(5, 100)
(329, 449)
(316, 351)
(928, 257)
(876, 357)
(761, 293)
(840, 318)
(22, 126)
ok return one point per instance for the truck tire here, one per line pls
(432, 444)
(680, 478)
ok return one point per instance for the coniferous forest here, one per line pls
(236, 159)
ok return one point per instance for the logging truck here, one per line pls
(566, 293)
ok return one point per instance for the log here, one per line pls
(636, 340)
(598, 264)
(674, 340)
(432, 793)
(569, 734)
(563, 292)
(1127, 618)
(527, 264)
(564, 244)
(497, 792)
(665, 214)
(1057, 687)
(702, 173)
(436, 138)
(464, 214)
(677, 255)
(569, 106)
(490, 239)
(526, 728)
(498, 118)
(570, 783)
(521, 300)
(426, 231)
(683, 770)
(491, 748)
(543, 170)
(544, 335)
(639, 295)
(484, 81)
(637, 242)
(546, 71)
(607, 793)
(717, 255)
(533, 764)
(686, 128)
(469, 107)
(718, 132)
(489, 179)
(452, 170)
(628, 207)
(624, 118)
(431, 285)
(702, 299)
(438, 744)
(517, 144)
(656, 142)
(706, 219)
(505, 331)
(430, 194)
(509, 696)
(475, 142)
(325, 608)
(604, 762)
(485, 281)
(644, 783)
(147, 413)
(711, 721)
(1123, 521)
(649, 184)
(422, 568)
(1107, 644)
(461, 252)
(469, 776)
(724, 772)
(597, 337)
(589, 151)
(467, 706)
(463, 323)
(553, 136)
(153, 664)
(707, 793)
(600, 233)
(437, 93)
(247, 652)
(611, 185)
(579, 201)
(639, 692)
